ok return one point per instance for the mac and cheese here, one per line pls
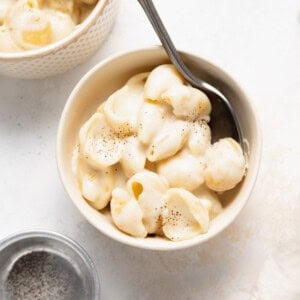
(147, 150)
(30, 24)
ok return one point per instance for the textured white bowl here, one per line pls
(110, 75)
(66, 53)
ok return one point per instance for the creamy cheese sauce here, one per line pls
(147, 151)
(30, 24)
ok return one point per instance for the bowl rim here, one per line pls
(67, 241)
(79, 30)
(132, 241)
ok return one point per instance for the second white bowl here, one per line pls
(64, 54)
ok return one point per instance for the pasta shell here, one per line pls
(95, 185)
(133, 157)
(151, 119)
(127, 214)
(122, 107)
(226, 165)
(29, 27)
(188, 102)
(169, 141)
(184, 216)
(161, 79)
(200, 137)
(148, 189)
(99, 144)
(183, 170)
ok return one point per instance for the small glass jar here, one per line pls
(66, 254)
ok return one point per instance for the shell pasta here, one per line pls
(30, 24)
(147, 154)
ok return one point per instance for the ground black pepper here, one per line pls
(42, 276)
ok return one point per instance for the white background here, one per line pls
(258, 42)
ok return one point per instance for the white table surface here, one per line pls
(257, 257)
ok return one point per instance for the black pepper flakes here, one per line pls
(40, 275)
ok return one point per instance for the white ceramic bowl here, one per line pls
(66, 53)
(110, 75)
